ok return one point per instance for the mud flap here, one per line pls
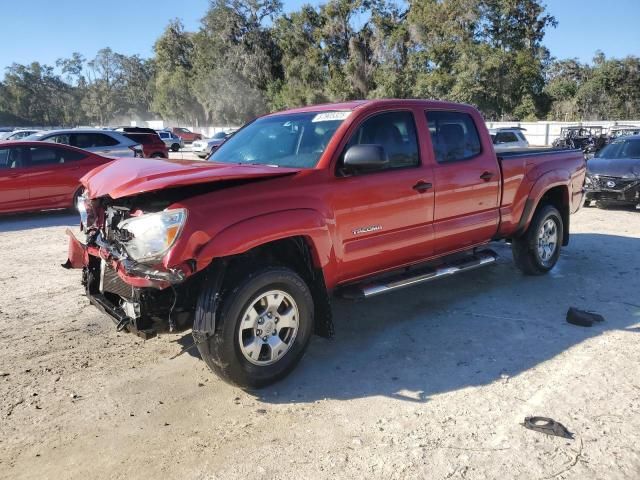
(77, 256)
(204, 323)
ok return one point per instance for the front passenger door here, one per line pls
(384, 217)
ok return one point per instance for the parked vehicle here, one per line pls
(102, 142)
(354, 199)
(613, 176)
(205, 147)
(171, 140)
(186, 135)
(40, 176)
(589, 139)
(151, 143)
(622, 131)
(19, 134)
(508, 139)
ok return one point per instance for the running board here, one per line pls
(417, 275)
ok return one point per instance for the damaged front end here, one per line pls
(122, 262)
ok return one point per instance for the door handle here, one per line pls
(486, 176)
(422, 186)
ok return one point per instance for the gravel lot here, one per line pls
(429, 382)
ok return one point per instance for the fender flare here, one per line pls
(252, 232)
(553, 179)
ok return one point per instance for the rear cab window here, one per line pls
(454, 136)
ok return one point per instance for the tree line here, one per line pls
(248, 57)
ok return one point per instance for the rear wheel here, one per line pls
(266, 323)
(157, 155)
(175, 147)
(538, 249)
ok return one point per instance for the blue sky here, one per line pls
(45, 30)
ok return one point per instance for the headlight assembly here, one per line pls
(151, 235)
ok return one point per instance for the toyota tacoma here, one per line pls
(352, 199)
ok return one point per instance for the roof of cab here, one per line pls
(354, 104)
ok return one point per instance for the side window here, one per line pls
(4, 159)
(68, 155)
(454, 136)
(63, 138)
(40, 156)
(521, 136)
(395, 132)
(506, 137)
(105, 140)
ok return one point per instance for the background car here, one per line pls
(171, 140)
(203, 148)
(508, 139)
(102, 142)
(39, 176)
(152, 145)
(613, 175)
(19, 134)
(185, 134)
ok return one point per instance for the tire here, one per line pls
(74, 200)
(157, 155)
(602, 204)
(175, 147)
(587, 204)
(528, 255)
(224, 353)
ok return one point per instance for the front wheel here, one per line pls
(175, 147)
(538, 249)
(264, 328)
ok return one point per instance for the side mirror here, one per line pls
(366, 157)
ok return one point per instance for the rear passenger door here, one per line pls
(467, 181)
(99, 143)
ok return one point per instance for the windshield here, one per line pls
(621, 149)
(287, 140)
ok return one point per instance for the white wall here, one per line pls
(544, 133)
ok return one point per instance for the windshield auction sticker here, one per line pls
(330, 116)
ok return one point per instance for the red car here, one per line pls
(151, 143)
(353, 199)
(186, 135)
(42, 175)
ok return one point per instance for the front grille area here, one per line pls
(613, 184)
(112, 283)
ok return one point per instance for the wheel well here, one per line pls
(559, 198)
(295, 253)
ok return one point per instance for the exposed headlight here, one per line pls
(152, 234)
(587, 180)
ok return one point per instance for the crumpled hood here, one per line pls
(614, 167)
(131, 176)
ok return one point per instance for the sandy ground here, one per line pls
(429, 382)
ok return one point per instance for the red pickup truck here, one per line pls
(353, 199)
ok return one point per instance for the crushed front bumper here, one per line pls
(613, 189)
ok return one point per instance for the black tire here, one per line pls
(175, 147)
(74, 200)
(587, 204)
(157, 155)
(525, 248)
(223, 353)
(602, 204)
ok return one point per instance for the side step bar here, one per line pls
(417, 275)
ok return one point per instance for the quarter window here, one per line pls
(395, 132)
(505, 137)
(454, 136)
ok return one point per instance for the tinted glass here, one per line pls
(63, 138)
(621, 149)
(4, 158)
(288, 140)
(454, 136)
(93, 140)
(40, 156)
(395, 132)
(219, 135)
(505, 137)
(144, 138)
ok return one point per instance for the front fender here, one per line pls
(255, 231)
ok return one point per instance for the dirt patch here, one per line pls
(429, 382)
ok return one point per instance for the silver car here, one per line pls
(203, 148)
(509, 138)
(103, 142)
(19, 134)
(171, 140)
